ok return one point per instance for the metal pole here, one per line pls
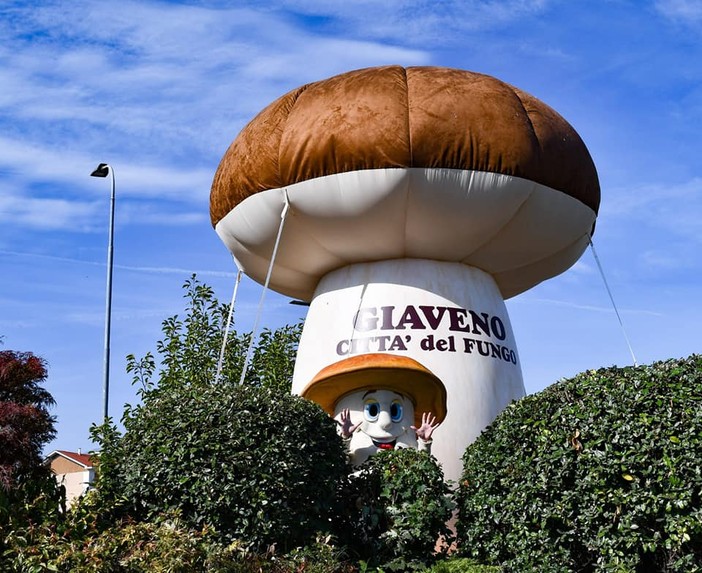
(108, 299)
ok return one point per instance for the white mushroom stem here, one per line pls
(449, 317)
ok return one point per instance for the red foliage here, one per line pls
(25, 423)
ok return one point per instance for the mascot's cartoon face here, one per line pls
(384, 394)
(386, 418)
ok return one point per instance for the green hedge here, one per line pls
(601, 472)
(255, 464)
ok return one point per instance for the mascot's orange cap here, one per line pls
(379, 371)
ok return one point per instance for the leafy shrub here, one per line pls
(190, 348)
(255, 464)
(397, 508)
(273, 359)
(597, 473)
(252, 461)
(461, 565)
(164, 543)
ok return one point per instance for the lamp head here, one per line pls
(101, 170)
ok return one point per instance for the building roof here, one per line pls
(84, 460)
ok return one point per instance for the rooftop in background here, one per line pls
(79, 458)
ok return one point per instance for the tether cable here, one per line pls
(249, 352)
(611, 298)
(220, 362)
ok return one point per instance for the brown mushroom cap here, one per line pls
(392, 116)
(391, 162)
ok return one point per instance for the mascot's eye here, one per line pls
(371, 409)
(396, 411)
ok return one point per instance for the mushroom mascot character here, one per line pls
(380, 402)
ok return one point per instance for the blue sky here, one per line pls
(160, 89)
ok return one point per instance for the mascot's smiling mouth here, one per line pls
(384, 445)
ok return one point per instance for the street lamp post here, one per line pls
(102, 170)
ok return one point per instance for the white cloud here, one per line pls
(21, 254)
(331, 56)
(48, 214)
(164, 181)
(674, 207)
(150, 270)
(176, 271)
(154, 214)
(418, 22)
(136, 67)
(591, 308)
(661, 260)
(683, 11)
(582, 268)
(73, 201)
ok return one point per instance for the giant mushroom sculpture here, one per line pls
(419, 199)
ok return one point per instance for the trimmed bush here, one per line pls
(251, 461)
(257, 465)
(601, 472)
(397, 509)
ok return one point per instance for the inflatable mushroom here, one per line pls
(418, 199)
